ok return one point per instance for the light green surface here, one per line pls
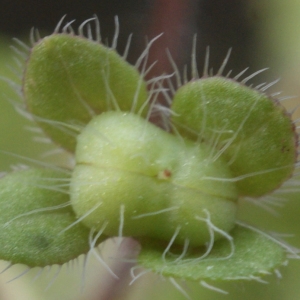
(133, 164)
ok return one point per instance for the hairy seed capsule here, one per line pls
(134, 179)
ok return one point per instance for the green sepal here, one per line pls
(32, 224)
(252, 131)
(254, 254)
(70, 79)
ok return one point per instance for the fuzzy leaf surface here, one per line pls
(252, 131)
(69, 79)
(254, 255)
(34, 214)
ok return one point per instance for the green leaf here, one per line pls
(33, 219)
(70, 79)
(255, 254)
(252, 131)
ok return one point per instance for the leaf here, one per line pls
(69, 79)
(34, 215)
(252, 131)
(255, 254)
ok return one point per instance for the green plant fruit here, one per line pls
(69, 79)
(251, 131)
(131, 178)
(34, 216)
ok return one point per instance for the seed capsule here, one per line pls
(134, 179)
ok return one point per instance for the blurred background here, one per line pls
(261, 33)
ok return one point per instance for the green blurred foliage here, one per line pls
(15, 136)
